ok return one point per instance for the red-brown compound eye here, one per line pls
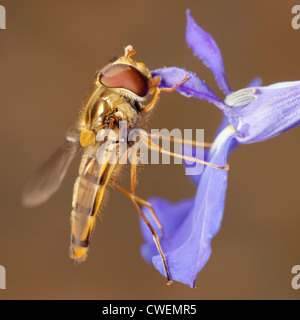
(125, 77)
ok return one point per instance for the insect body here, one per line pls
(119, 88)
(118, 95)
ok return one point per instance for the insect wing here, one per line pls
(48, 178)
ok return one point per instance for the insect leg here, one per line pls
(143, 203)
(154, 234)
(156, 81)
(154, 146)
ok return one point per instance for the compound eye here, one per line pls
(125, 77)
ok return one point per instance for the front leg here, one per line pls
(156, 90)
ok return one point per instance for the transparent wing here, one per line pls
(46, 181)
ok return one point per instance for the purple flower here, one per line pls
(252, 114)
(190, 224)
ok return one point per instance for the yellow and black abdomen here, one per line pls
(89, 191)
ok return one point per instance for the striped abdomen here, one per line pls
(88, 195)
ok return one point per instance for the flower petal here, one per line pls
(164, 210)
(274, 109)
(256, 82)
(206, 49)
(187, 244)
(191, 151)
(225, 122)
(193, 87)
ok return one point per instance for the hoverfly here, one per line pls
(119, 90)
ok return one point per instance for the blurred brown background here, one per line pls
(49, 54)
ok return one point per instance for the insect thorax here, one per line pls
(106, 106)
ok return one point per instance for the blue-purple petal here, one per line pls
(193, 87)
(171, 216)
(251, 115)
(187, 243)
(206, 49)
(256, 82)
(275, 109)
(191, 151)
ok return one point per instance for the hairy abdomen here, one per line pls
(88, 194)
